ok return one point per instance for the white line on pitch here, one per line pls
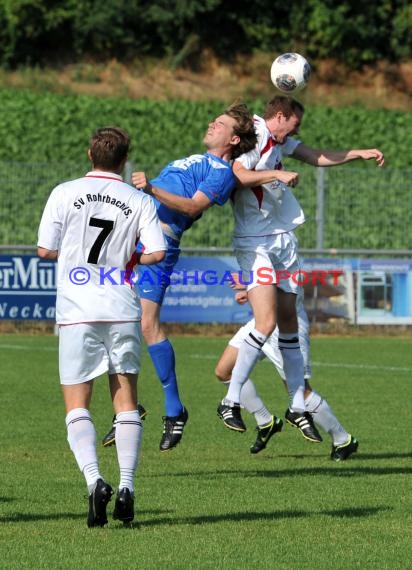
(28, 347)
(325, 364)
(363, 366)
(215, 357)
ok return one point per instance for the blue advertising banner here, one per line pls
(27, 288)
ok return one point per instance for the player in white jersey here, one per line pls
(343, 443)
(266, 213)
(91, 226)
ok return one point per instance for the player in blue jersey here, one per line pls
(182, 191)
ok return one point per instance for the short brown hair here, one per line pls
(244, 128)
(284, 103)
(109, 147)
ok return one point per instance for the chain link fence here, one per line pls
(348, 209)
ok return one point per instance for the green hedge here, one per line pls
(38, 127)
(31, 31)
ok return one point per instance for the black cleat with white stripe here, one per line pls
(173, 430)
(231, 416)
(304, 422)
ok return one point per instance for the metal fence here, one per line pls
(349, 210)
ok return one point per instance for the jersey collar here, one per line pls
(103, 174)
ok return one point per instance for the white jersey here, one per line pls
(271, 208)
(95, 222)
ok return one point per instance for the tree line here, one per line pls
(353, 32)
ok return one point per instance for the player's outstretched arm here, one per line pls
(318, 157)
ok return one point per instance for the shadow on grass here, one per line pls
(352, 470)
(201, 519)
(269, 516)
(28, 518)
(368, 456)
(356, 457)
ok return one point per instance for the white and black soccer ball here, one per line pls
(290, 72)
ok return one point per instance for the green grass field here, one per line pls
(209, 503)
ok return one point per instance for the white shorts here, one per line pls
(270, 260)
(87, 350)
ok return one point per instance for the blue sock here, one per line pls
(163, 358)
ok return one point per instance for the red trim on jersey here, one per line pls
(269, 144)
(129, 267)
(258, 192)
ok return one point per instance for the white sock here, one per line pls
(81, 436)
(325, 418)
(293, 369)
(304, 338)
(248, 355)
(129, 432)
(251, 401)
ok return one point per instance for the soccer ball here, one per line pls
(290, 72)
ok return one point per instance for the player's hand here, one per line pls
(287, 177)
(139, 179)
(370, 153)
(241, 297)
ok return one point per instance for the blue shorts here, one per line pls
(153, 279)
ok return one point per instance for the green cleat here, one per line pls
(342, 452)
(264, 434)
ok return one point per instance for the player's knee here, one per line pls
(266, 327)
(150, 330)
(146, 332)
(222, 374)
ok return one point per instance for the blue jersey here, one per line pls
(205, 172)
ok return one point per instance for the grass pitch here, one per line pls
(209, 503)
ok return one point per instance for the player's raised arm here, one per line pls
(318, 157)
